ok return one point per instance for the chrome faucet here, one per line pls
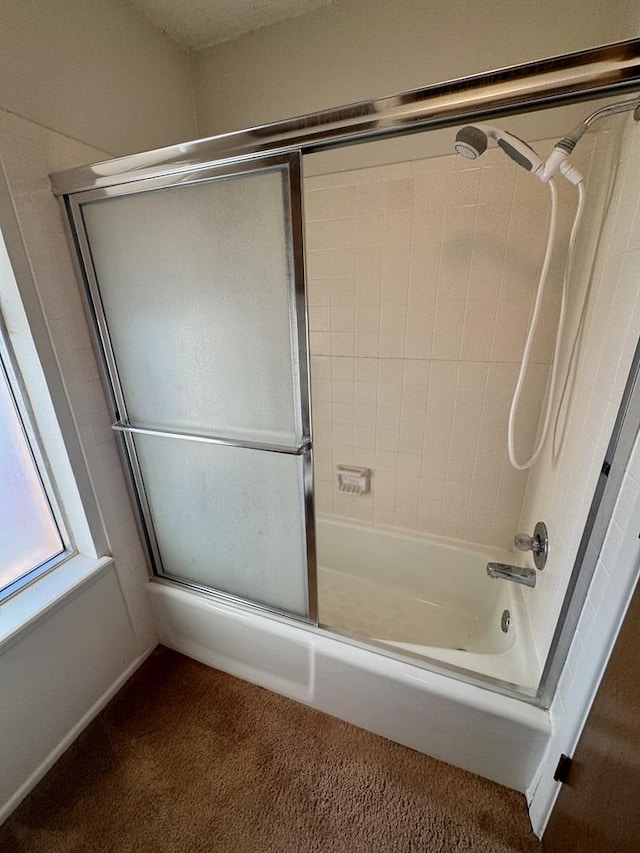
(517, 574)
(538, 544)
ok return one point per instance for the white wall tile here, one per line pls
(367, 345)
(342, 318)
(342, 343)
(319, 318)
(368, 290)
(395, 260)
(368, 262)
(397, 228)
(320, 343)
(447, 331)
(426, 273)
(409, 464)
(461, 188)
(341, 391)
(366, 370)
(342, 368)
(318, 291)
(366, 393)
(369, 231)
(388, 417)
(370, 198)
(398, 194)
(342, 263)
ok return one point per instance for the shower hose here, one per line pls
(555, 358)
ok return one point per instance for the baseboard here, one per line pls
(66, 742)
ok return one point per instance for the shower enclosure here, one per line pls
(193, 260)
(422, 276)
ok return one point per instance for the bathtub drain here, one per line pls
(505, 622)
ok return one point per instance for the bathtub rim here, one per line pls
(492, 552)
(431, 665)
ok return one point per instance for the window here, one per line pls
(31, 537)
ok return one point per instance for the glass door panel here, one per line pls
(234, 513)
(197, 288)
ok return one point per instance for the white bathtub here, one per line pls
(494, 735)
(423, 595)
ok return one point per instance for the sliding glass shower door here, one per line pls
(196, 282)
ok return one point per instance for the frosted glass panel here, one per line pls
(28, 533)
(196, 286)
(228, 518)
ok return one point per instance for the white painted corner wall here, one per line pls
(79, 648)
(360, 49)
(57, 675)
(95, 70)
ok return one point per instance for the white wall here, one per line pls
(67, 661)
(614, 581)
(359, 49)
(95, 70)
(56, 675)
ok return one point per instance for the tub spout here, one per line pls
(517, 574)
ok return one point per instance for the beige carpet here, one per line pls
(186, 758)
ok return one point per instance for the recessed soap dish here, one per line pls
(353, 480)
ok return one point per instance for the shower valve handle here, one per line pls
(538, 544)
(525, 543)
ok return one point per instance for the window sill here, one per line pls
(25, 609)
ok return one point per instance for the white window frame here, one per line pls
(38, 374)
(39, 460)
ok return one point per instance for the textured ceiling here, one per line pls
(200, 23)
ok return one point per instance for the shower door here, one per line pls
(196, 283)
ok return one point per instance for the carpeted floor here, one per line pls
(186, 758)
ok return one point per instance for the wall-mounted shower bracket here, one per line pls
(538, 544)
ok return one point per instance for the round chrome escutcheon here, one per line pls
(505, 621)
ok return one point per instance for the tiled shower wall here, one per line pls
(562, 484)
(421, 280)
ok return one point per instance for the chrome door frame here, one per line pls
(557, 81)
(569, 78)
(289, 164)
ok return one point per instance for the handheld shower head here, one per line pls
(470, 142)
